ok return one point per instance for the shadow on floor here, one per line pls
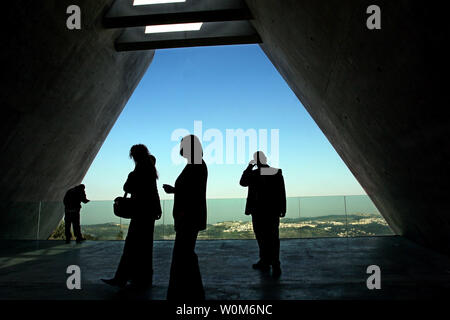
(325, 268)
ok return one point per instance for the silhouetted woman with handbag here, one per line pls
(189, 213)
(136, 264)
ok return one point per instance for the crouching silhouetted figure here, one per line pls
(72, 206)
(266, 203)
(136, 263)
(189, 213)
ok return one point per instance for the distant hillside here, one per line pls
(358, 224)
(341, 217)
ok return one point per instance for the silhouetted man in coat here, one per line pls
(266, 203)
(72, 205)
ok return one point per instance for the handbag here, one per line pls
(125, 207)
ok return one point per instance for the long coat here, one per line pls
(136, 263)
(141, 185)
(266, 192)
(189, 209)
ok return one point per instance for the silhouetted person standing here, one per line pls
(189, 213)
(266, 203)
(72, 206)
(136, 263)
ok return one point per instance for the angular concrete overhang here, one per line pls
(378, 96)
(62, 93)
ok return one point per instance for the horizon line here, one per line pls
(313, 196)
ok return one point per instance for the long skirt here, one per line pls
(185, 278)
(136, 263)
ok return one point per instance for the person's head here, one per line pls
(260, 158)
(141, 156)
(80, 187)
(139, 153)
(77, 189)
(191, 149)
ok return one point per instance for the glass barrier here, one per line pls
(306, 217)
(22, 217)
(50, 212)
(322, 217)
(364, 219)
(290, 226)
(227, 220)
(98, 222)
(165, 229)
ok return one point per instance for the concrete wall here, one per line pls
(375, 95)
(62, 92)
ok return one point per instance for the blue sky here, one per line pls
(224, 87)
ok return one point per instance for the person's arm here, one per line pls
(282, 196)
(83, 197)
(245, 178)
(129, 186)
(157, 207)
(168, 188)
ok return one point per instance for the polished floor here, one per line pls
(325, 268)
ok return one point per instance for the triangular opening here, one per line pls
(212, 91)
